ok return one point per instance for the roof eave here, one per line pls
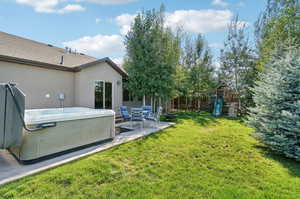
(35, 63)
(107, 60)
(60, 67)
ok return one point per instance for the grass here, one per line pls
(200, 157)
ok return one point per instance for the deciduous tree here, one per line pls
(238, 63)
(152, 56)
(279, 22)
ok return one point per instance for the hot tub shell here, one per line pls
(75, 128)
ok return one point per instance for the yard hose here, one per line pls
(9, 88)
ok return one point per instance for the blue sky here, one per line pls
(97, 27)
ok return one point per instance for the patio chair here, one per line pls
(147, 110)
(124, 113)
(155, 118)
(137, 116)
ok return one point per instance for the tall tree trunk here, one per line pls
(236, 90)
(144, 100)
(159, 102)
(152, 102)
(167, 106)
(239, 109)
(173, 104)
(198, 104)
(186, 103)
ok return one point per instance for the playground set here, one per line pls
(221, 101)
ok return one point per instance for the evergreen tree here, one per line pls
(276, 116)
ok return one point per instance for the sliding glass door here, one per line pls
(103, 95)
(108, 95)
(99, 95)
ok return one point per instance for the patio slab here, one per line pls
(11, 169)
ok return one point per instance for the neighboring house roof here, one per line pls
(24, 51)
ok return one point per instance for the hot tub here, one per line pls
(69, 129)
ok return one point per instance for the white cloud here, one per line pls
(98, 20)
(40, 5)
(125, 21)
(199, 21)
(119, 61)
(220, 3)
(194, 21)
(99, 45)
(109, 2)
(54, 6)
(50, 6)
(71, 8)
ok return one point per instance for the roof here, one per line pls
(25, 51)
(107, 60)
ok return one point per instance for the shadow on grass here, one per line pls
(292, 165)
(204, 118)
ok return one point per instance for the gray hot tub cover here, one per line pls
(11, 125)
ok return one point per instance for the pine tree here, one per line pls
(276, 117)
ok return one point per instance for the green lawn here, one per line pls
(200, 157)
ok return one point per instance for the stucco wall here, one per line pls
(85, 85)
(36, 82)
(78, 87)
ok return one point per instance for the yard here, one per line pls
(200, 157)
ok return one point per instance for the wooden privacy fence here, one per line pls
(205, 101)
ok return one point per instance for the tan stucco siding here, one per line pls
(85, 85)
(37, 82)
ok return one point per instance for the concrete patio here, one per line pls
(11, 169)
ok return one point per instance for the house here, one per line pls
(53, 77)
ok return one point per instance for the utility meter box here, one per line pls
(11, 125)
(61, 96)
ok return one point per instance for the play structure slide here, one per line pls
(218, 104)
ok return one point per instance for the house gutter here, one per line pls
(62, 68)
(34, 63)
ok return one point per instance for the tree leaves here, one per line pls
(152, 55)
(279, 23)
(237, 59)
